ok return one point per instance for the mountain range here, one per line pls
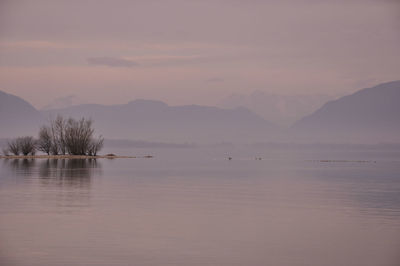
(146, 120)
(155, 120)
(369, 115)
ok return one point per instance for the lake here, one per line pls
(195, 207)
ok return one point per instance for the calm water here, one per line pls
(195, 207)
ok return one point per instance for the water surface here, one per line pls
(195, 207)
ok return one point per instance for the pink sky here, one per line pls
(185, 52)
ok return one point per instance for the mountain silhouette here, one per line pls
(371, 114)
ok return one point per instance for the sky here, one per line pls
(194, 52)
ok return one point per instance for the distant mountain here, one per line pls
(280, 109)
(154, 120)
(17, 116)
(371, 114)
(64, 102)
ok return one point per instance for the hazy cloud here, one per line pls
(111, 62)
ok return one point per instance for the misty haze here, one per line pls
(199, 133)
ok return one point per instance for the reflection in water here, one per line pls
(68, 172)
(64, 183)
(21, 166)
(63, 172)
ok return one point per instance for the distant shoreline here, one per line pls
(71, 157)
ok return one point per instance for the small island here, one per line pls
(62, 139)
(67, 156)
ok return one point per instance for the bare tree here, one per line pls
(14, 147)
(95, 146)
(45, 142)
(58, 128)
(75, 137)
(57, 132)
(54, 149)
(27, 145)
(78, 136)
(24, 145)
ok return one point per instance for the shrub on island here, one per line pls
(62, 136)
